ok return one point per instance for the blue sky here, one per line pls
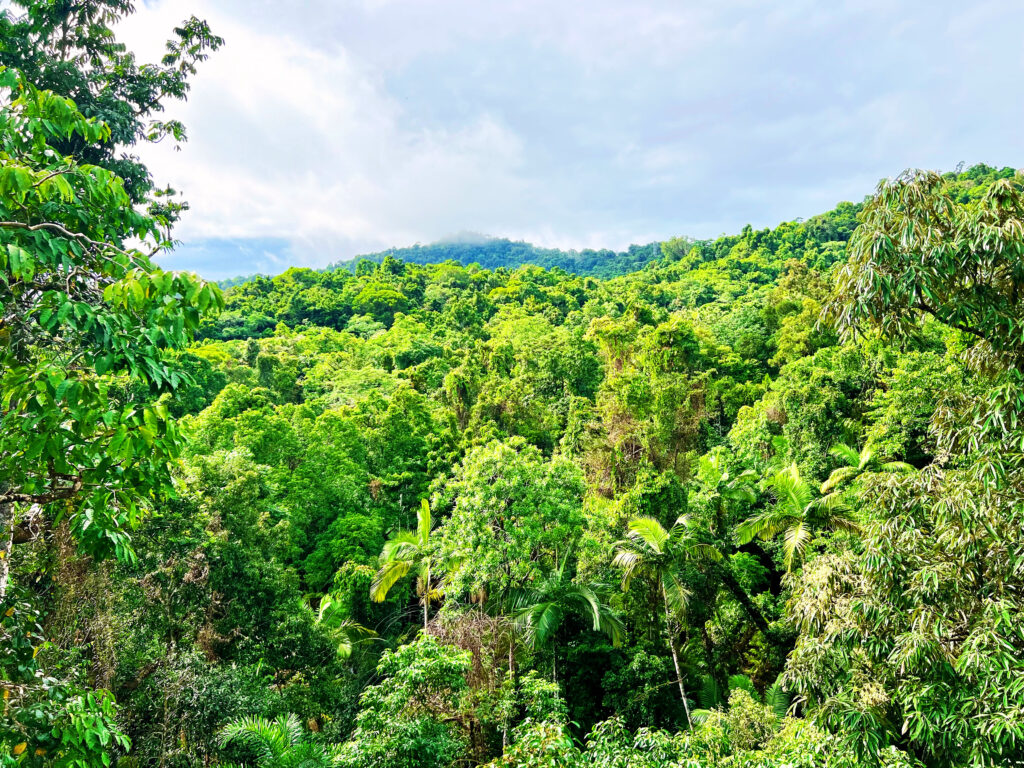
(328, 128)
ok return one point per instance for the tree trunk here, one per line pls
(426, 601)
(6, 542)
(743, 598)
(675, 658)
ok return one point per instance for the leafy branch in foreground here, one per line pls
(86, 328)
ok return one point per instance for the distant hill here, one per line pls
(495, 252)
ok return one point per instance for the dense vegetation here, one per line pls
(757, 503)
(494, 252)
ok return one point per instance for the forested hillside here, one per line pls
(494, 252)
(755, 504)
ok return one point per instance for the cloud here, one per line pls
(335, 127)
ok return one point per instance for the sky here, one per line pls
(329, 128)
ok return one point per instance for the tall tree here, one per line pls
(405, 552)
(921, 252)
(544, 604)
(86, 324)
(651, 551)
(721, 487)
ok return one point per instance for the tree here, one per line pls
(405, 552)
(796, 514)
(919, 252)
(856, 463)
(410, 719)
(543, 605)
(81, 318)
(70, 49)
(651, 551)
(720, 486)
(514, 515)
(345, 631)
(280, 743)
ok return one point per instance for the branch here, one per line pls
(57, 494)
(58, 229)
(49, 176)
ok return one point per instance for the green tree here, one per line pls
(280, 743)
(410, 551)
(921, 252)
(70, 49)
(720, 488)
(410, 718)
(345, 631)
(542, 606)
(856, 463)
(514, 515)
(796, 514)
(81, 317)
(657, 554)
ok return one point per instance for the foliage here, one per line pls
(280, 743)
(403, 720)
(512, 437)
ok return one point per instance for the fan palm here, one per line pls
(405, 552)
(280, 743)
(796, 514)
(856, 463)
(657, 554)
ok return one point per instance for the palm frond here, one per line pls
(837, 477)
(778, 700)
(348, 634)
(629, 560)
(898, 466)
(402, 546)
(847, 454)
(650, 532)
(542, 621)
(423, 523)
(742, 492)
(703, 553)
(270, 738)
(765, 525)
(795, 542)
(676, 594)
(791, 491)
(386, 577)
(612, 626)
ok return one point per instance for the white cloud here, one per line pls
(343, 126)
(287, 140)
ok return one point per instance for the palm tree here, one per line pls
(346, 633)
(404, 552)
(541, 607)
(280, 743)
(857, 463)
(796, 514)
(722, 486)
(649, 550)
